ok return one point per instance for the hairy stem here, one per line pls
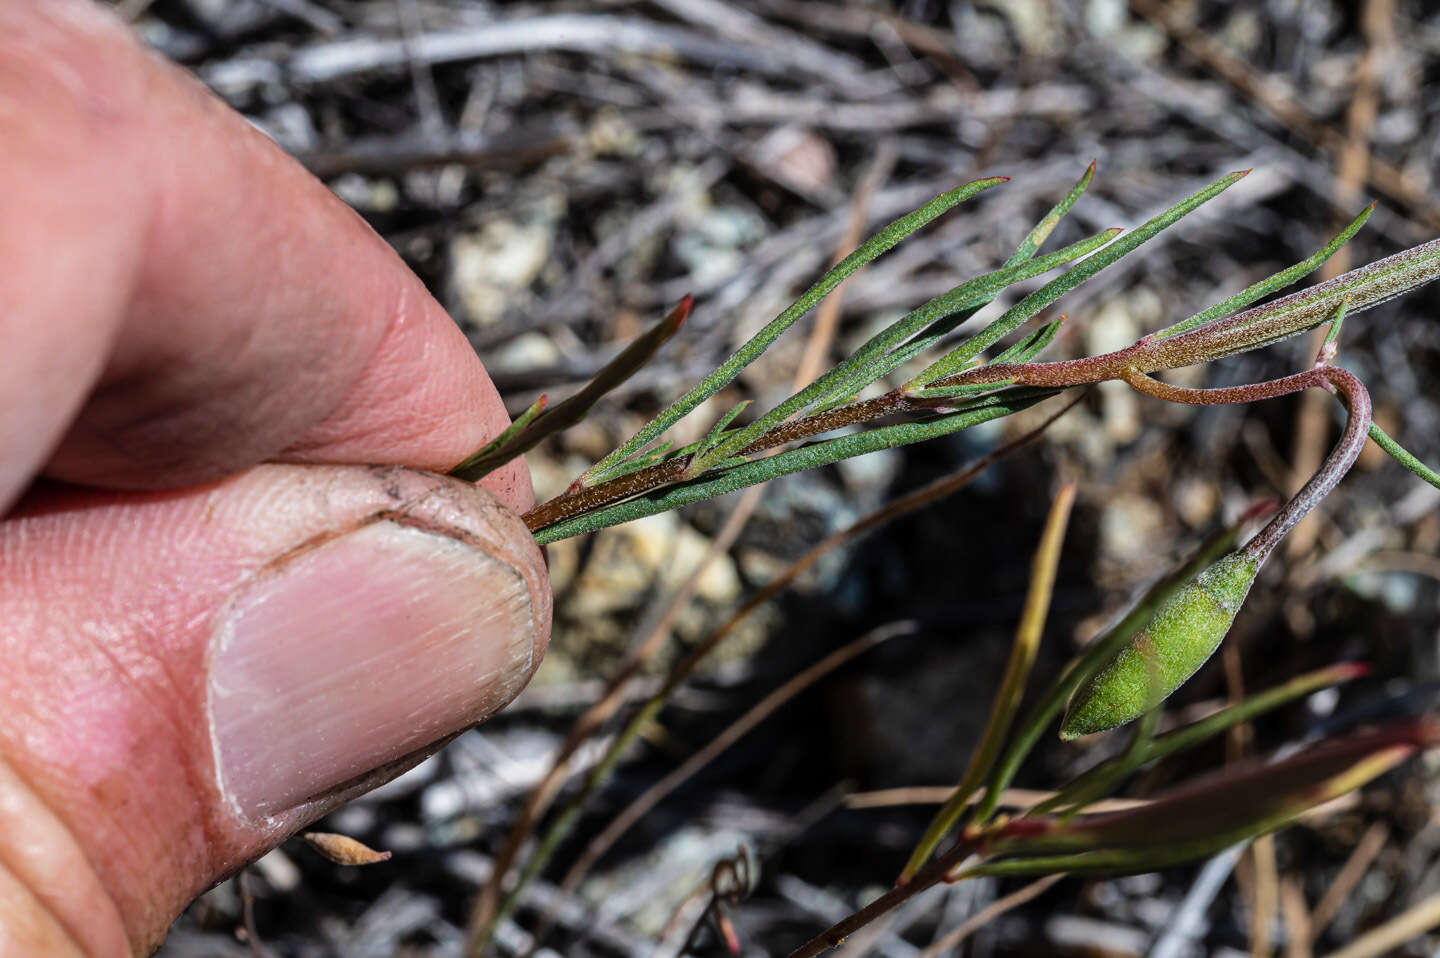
(1341, 458)
(589, 498)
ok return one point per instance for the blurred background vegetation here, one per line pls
(560, 173)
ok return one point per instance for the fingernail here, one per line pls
(355, 653)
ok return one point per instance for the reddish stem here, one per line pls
(1341, 458)
(574, 502)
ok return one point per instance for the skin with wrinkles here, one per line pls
(125, 737)
(181, 303)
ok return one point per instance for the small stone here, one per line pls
(526, 351)
(1036, 25)
(610, 134)
(1131, 526)
(489, 264)
(873, 472)
(1104, 17)
(1196, 500)
(799, 159)
(278, 871)
(675, 550)
(712, 245)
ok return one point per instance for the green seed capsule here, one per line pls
(1185, 630)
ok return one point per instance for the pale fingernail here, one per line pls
(355, 653)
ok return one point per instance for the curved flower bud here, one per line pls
(1184, 631)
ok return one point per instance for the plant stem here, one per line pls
(589, 498)
(794, 460)
(906, 504)
(1341, 458)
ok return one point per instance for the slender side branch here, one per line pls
(1341, 458)
(589, 498)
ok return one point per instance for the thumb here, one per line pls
(193, 675)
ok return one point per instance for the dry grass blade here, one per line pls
(1354, 869)
(1012, 685)
(1296, 916)
(988, 914)
(732, 734)
(1266, 896)
(1404, 927)
(1019, 799)
(247, 917)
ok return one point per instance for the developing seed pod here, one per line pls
(1186, 629)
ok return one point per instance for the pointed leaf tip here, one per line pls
(681, 312)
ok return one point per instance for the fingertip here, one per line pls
(216, 667)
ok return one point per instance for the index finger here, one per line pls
(180, 300)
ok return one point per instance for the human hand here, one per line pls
(231, 600)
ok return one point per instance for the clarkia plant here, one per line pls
(956, 389)
(925, 376)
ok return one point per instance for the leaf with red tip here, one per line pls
(571, 411)
(1240, 800)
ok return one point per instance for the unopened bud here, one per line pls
(1186, 629)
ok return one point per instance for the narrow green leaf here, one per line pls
(1022, 352)
(960, 357)
(1331, 346)
(970, 294)
(856, 381)
(1403, 456)
(1037, 236)
(713, 435)
(1272, 283)
(808, 456)
(648, 457)
(878, 244)
(631, 359)
(1032, 345)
